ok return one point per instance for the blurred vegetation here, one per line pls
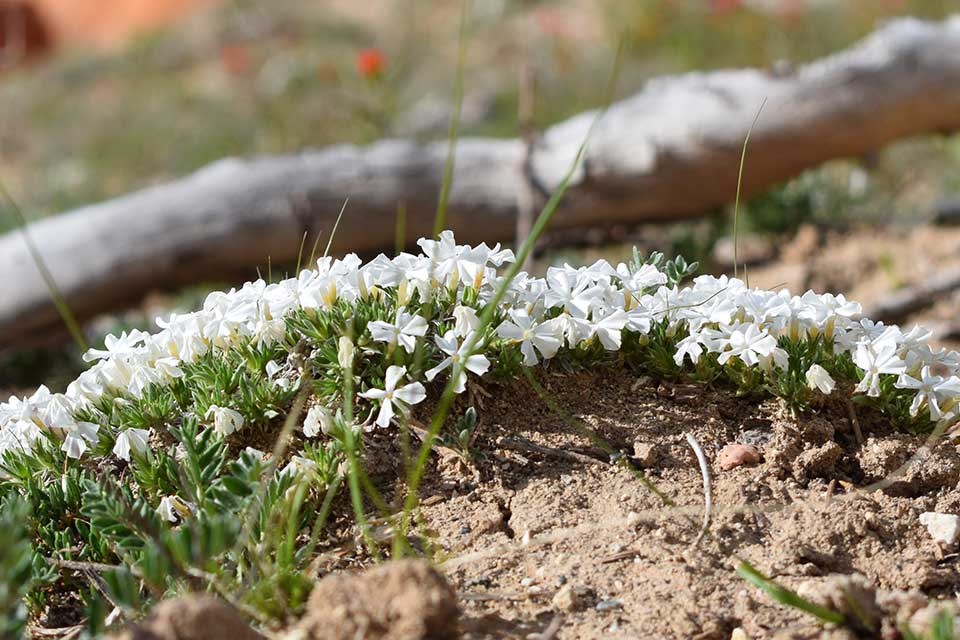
(249, 78)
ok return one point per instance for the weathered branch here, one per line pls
(901, 304)
(668, 152)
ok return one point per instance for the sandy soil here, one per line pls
(526, 535)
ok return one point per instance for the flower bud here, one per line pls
(345, 352)
(818, 378)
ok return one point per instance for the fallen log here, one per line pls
(669, 152)
(902, 303)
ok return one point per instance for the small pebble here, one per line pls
(645, 453)
(609, 605)
(735, 455)
(479, 581)
(633, 518)
(943, 527)
(568, 598)
(464, 530)
(526, 582)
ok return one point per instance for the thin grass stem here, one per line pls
(440, 220)
(736, 203)
(59, 301)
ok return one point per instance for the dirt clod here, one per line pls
(817, 462)
(925, 469)
(196, 617)
(879, 457)
(404, 599)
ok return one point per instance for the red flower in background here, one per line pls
(791, 12)
(235, 59)
(371, 63)
(721, 7)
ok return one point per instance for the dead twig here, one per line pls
(552, 629)
(77, 565)
(491, 596)
(629, 554)
(58, 632)
(854, 422)
(526, 445)
(419, 430)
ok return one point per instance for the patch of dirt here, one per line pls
(553, 532)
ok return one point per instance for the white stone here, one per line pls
(943, 527)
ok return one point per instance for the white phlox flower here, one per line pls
(459, 360)
(317, 421)
(608, 327)
(78, 437)
(749, 343)
(931, 390)
(135, 440)
(404, 330)
(819, 378)
(393, 397)
(174, 508)
(532, 336)
(225, 420)
(874, 359)
(466, 321)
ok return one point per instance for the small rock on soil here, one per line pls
(735, 455)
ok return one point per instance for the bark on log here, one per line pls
(669, 152)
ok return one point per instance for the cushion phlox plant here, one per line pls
(162, 439)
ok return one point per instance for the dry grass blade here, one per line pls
(736, 203)
(707, 492)
(59, 301)
(440, 222)
(333, 232)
